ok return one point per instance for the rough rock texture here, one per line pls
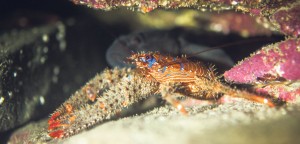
(273, 70)
(227, 22)
(279, 60)
(238, 122)
(40, 56)
(287, 20)
(28, 71)
(282, 14)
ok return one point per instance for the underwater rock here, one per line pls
(282, 15)
(27, 71)
(241, 121)
(273, 70)
(149, 5)
(288, 91)
(279, 60)
(240, 23)
(288, 20)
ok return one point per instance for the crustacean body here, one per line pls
(108, 93)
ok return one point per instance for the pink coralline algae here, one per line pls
(273, 70)
(279, 60)
(233, 22)
(213, 5)
(288, 20)
(281, 15)
(284, 92)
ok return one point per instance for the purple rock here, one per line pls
(274, 70)
(288, 20)
(279, 60)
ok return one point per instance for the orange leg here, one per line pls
(167, 92)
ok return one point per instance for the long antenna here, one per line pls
(222, 46)
(231, 44)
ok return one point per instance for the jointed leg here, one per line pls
(167, 91)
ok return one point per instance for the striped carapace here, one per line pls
(108, 93)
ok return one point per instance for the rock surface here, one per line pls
(28, 71)
(233, 122)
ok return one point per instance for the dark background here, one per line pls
(86, 37)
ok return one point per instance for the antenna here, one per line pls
(231, 44)
(222, 46)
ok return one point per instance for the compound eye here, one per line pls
(150, 60)
(147, 57)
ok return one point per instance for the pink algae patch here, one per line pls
(290, 66)
(281, 59)
(288, 20)
(283, 93)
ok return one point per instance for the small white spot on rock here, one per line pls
(56, 70)
(15, 74)
(42, 100)
(1, 100)
(45, 38)
(278, 70)
(234, 2)
(42, 60)
(10, 94)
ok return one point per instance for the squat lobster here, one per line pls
(111, 91)
(187, 78)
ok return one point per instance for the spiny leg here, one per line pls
(82, 110)
(65, 115)
(218, 88)
(167, 91)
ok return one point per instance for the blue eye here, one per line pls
(151, 60)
